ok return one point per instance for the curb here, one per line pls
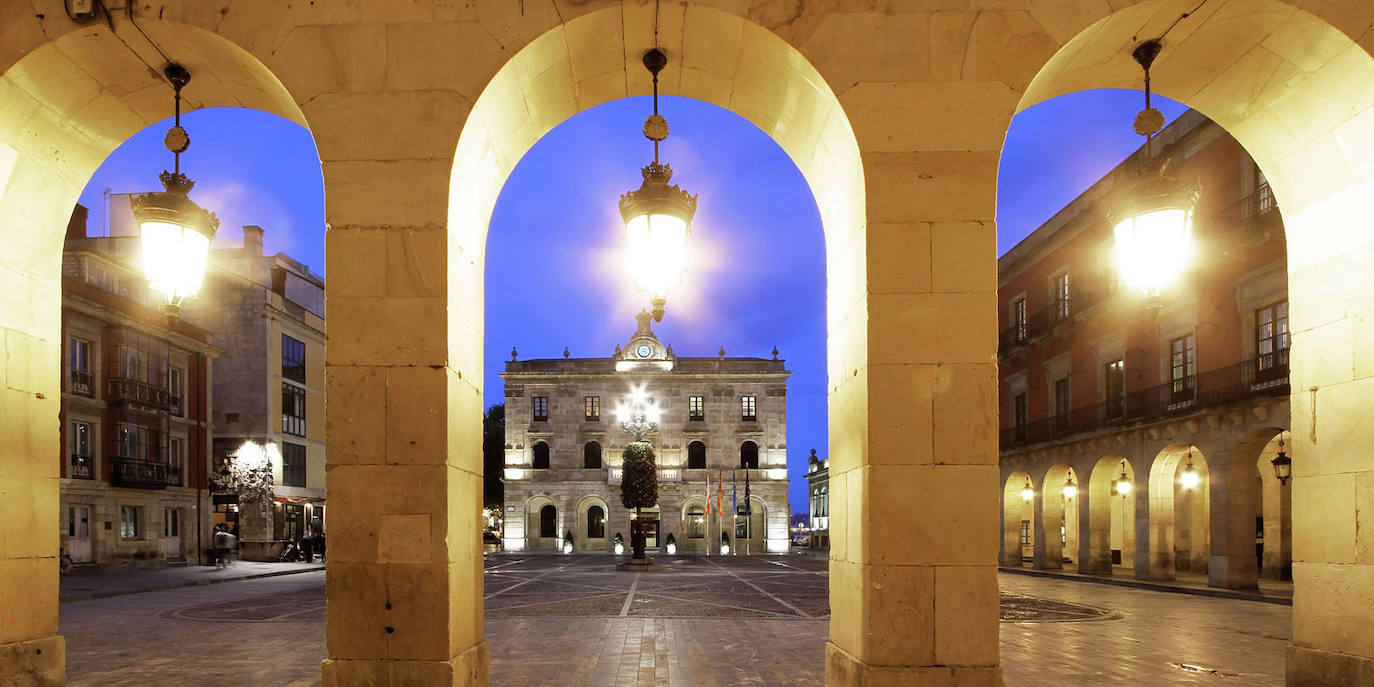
(179, 585)
(1214, 592)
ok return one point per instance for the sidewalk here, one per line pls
(81, 586)
(1270, 591)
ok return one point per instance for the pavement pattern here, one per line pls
(575, 620)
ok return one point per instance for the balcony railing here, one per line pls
(614, 475)
(83, 467)
(1266, 375)
(121, 390)
(143, 474)
(82, 383)
(1248, 211)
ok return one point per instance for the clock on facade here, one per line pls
(643, 350)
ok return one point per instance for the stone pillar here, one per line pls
(1049, 550)
(403, 375)
(1094, 532)
(1010, 553)
(1235, 502)
(913, 442)
(1154, 527)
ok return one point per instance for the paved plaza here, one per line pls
(576, 620)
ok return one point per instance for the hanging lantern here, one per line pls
(1283, 465)
(1027, 492)
(1070, 489)
(658, 216)
(175, 233)
(1189, 479)
(1123, 483)
(1152, 219)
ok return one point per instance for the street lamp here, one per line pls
(658, 217)
(1027, 492)
(176, 233)
(1070, 489)
(640, 416)
(1283, 465)
(1189, 478)
(1123, 483)
(1152, 219)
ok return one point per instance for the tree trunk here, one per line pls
(637, 536)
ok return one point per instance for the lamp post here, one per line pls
(1152, 218)
(658, 217)
(175, 232)
(1283, 465)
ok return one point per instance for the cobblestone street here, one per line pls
(575, 620)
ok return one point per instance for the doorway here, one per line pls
(171, 534)
(646, 522)
(79, 533)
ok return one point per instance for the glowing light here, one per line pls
(1152, 248)
(724, 549)
(1123, 486)
(672, 548)
(619, 549)
(1070, 489)
(1189, 479)
(1027, 492)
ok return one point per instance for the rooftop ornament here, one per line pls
(658, 217)
(176, 233)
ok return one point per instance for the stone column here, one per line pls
(1094, 533)
(1049, 550)
(403, 375)
(1154, 527)
(913, 399)
(1234, 501)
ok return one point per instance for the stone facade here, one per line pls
(136, 394)
(722, 419)
(818, 489)
(1188, 405)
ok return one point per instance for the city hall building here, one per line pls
(722, 419)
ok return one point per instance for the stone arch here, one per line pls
(1179, 514)
(1276, 512)
(536, 509)
(1057, 510)
(1111, 517)
(582, 535)
(1018, 519)
(1245, 492)
(695, 531)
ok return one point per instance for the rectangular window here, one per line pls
(1020, 413)
(292, 409)
(696, 408)
(1025, 533)
(135, 442)
(541, 408)
(79, 364)
(1271, 337)
(1061, 404)
(1114, 376)
(1182, 368)
(591, 408)
(1061, 296)
(128, 522)
(292, 359)
(1018, 319)
(176, 452)
(137, 357)
(748, 408)
(292, 465)
(83, 462)
(175, 383)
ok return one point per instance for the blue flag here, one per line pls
(734, 507)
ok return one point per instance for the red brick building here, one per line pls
(1187, 405)
(135, 412)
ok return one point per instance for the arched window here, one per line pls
(696, 522)
(825, 500)
(696, 456)
(548, 521)
(541, 456)
(596, 523)
(749, 456)
(591, 456)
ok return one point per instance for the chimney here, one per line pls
(76, 226)
(252, 240)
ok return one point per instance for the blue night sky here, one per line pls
(756, 274)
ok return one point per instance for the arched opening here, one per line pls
(1253, 528)
(1274, 527)
(751, 528)
(749, 456)
(540, 460)
(1179, 493)
(1018, 519)
(696, 456)
(596, 523)
(695, 536)
(533, 532)
(1111, 518)
(593, 515)
(548, 522)
(1058, 543)
(591, 456)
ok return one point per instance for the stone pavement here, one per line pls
(82, 585)
(1270, 591)
(572, 621)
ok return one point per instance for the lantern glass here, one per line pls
(1283, 467)
(1123, 486)
(173, 259)
(658, 244)
(1070, 490)
(1189, 479)
(1152, 248)
(1027, 493)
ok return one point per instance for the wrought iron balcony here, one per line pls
(82, 383)
(1266, 375)
(1251, 212)
(123, 391)
(143, 474)
(82, 467)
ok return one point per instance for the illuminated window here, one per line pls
(696, 522)
(128, 522)
(541, 408)
(1018, 319)
(1182, 368)
(696, 408)
(591, 408)
(748, 408)
(292, 409)
(596, 523)
(1061, 296)
(1271, 336)
(292, 465)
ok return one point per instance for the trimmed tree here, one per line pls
(638, 487)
